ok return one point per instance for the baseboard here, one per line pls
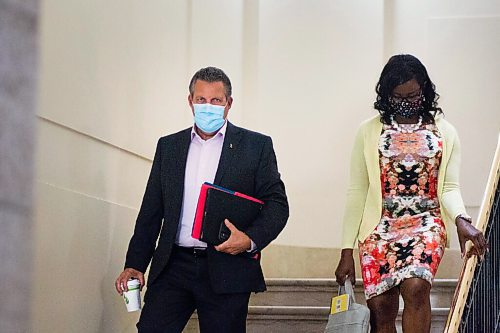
(282, 261)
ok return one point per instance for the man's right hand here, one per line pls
(346, 268)
(127, 274)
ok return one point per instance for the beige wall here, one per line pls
(114, 78)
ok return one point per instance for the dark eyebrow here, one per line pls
(410, 94)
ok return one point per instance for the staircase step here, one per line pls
(318, 292)
(302, 305)
(305, 319)
(296, 319)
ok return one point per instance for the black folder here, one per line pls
(221, 204)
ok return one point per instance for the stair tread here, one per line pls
(270, 282)
(288, 308)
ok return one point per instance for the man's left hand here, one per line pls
(238, 241)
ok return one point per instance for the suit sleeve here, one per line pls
(270, 189)
(149, 220)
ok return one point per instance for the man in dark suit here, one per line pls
(187, 274)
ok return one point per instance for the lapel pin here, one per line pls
(230, 146)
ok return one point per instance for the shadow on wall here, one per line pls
(115, 317)
(80, 240)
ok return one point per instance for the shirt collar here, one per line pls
(221, 133)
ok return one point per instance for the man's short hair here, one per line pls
(211, 74)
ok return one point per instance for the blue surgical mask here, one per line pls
(208, 117)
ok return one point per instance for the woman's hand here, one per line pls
(466, 231)
(346, 267)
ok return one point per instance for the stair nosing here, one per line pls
(271, 282)
(320, 310)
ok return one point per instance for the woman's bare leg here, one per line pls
(417, 310)
(383, 311)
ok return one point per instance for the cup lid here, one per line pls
(133, 283)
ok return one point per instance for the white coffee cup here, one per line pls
(132, 297)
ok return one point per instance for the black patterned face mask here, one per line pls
(406, 108)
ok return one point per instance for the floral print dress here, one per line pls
(410, 239)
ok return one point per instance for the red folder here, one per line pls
(215, 204)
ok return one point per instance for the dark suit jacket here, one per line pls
(247, 165)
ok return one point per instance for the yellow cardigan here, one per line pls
(364, 195)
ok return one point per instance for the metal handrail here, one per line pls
(469, 265)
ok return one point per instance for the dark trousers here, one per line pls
(183, 287)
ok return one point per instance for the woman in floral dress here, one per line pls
(403, 199)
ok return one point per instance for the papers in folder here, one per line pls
(216, 204)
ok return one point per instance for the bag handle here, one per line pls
(348, 289)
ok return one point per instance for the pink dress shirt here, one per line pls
(201, 166)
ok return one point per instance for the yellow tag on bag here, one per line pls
(340, 303)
